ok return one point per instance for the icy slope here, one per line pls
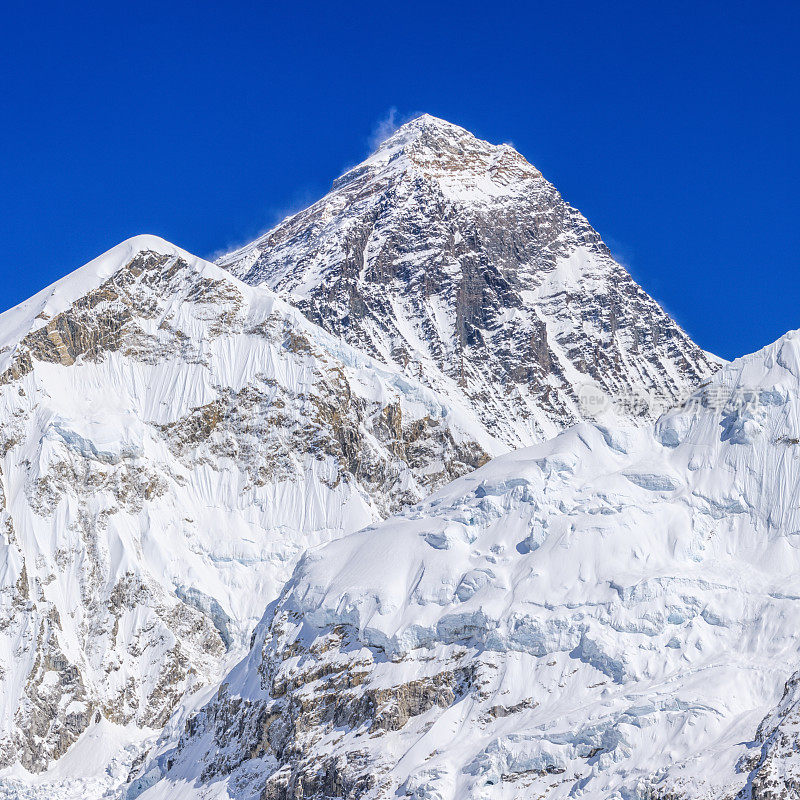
(456, 260)
(610, 614)
(171, 440)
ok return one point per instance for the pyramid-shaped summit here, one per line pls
(457, 260)
(427, 123)
(432, 133)
(437, 147)
(436, 134)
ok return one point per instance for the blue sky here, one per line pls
(673, 127)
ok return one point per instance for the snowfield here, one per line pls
(608, 615)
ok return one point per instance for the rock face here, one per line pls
(457, 261)
(774, 769)
(171, 440)
(612, 614)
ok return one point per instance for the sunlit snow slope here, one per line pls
(610, 614)
(172, 438)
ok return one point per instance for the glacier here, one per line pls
(642, 644)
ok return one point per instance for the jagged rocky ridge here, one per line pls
(774, 765)
(612, 614)
(456, 260)
(171, 441)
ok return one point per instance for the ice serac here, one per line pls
(171, 440)
(456, 260)
(612, 614)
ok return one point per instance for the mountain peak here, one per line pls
(37, 310)
(427, 123)
(440, 148)
(456, 260)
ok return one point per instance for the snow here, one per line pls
(56, 298)
(640, 597)
(100, 494)
(160, 486)
(437, 234)
(97, 766)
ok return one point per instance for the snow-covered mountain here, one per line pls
(611, 614)
(457, 261)
(171, 440)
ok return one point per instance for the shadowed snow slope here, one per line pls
(456, 260)
(171, 440)
(610, 614)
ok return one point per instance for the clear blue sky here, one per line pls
(672, 126)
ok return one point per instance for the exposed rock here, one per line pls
(171, 441)
(456, 260)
